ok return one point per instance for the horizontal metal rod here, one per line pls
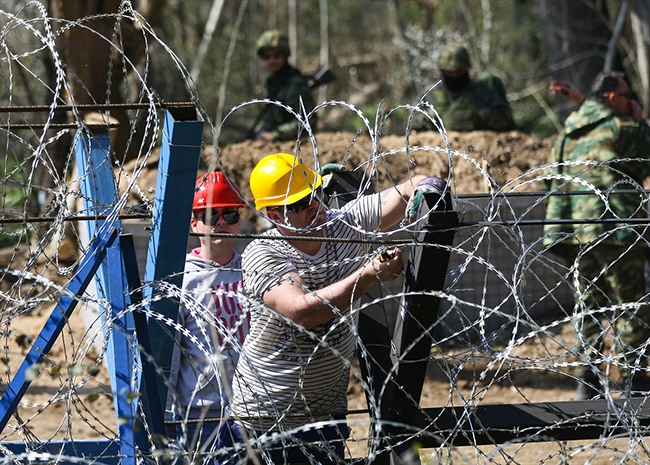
(634, 221)
(300, 415)
(9, 126)
(302, 238)
(441, 227)
(91, 107)
(144, 216)
(538, 422)
(549, 194)
(49, 219)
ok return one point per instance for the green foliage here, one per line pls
(76, 370)
(365, 52)
(366, 56)
(514, 54)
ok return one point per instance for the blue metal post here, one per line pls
(179, 158)
(94, 162)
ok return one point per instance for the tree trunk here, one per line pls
(254, 59)
(228, 61)
(91, 60)
(640, 14)
(324, 45)
(273, 16)
(486, 33)
(293, 32)
(86, 55)
(210, 27)
(618, 29)
(398, 33)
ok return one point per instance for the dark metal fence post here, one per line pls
(413, 336)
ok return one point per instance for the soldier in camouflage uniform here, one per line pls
(467, 105)
(285, 84)
(604, 146)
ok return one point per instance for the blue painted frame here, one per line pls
(113, 264)
(170, 226)
(98, 187)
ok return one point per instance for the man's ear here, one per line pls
(193, 224)
(611, 99)
(272, 214)
(275, 216)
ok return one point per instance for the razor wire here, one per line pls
(504, 333)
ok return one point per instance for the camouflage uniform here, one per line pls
(286, 86)
(476, 106)
(610, 257)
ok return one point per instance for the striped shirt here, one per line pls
(285, 370)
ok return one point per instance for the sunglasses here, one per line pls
(305, 202)
(300, 205)
(231, 217)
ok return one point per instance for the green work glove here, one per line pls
(331, 168)
(427, 185)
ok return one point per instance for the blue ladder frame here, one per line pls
(111, 260)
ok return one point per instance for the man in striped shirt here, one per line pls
(294, 370)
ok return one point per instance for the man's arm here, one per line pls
(309, 309)
(297, 89)
(393, 201)
(567, 91)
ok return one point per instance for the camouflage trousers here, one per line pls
(611, 276)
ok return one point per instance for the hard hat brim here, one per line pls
(283, 200)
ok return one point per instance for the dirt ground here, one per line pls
(506, 157)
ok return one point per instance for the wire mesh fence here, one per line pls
(504, 351)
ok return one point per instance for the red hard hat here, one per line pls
(215, 190)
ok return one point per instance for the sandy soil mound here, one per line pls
(505, 155)
(480, 159)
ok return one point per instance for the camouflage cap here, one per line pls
(453, 57)
(273, 39)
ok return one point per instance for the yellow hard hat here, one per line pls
(281, 179)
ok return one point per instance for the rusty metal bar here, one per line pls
(91, 107)
(145, 216)
(629, 221)
(59, 126)
(49, 219)
(500, 195)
